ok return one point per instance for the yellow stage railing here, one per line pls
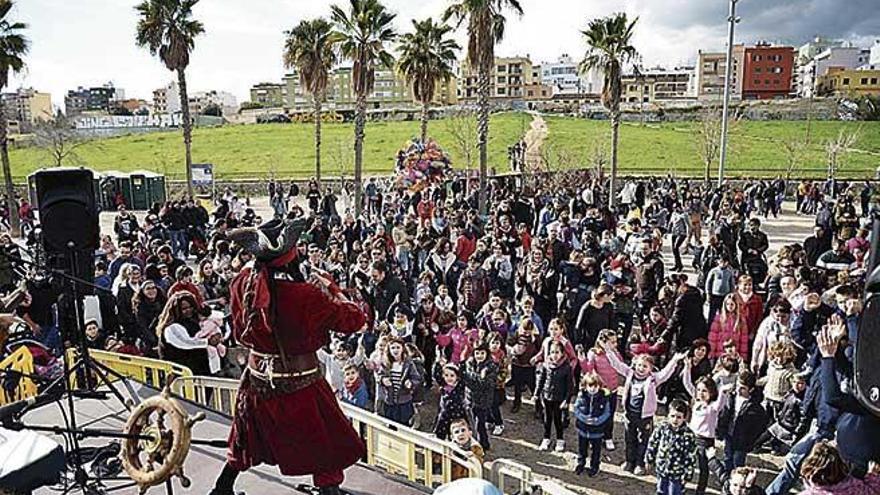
(393, 448)
(17, 386)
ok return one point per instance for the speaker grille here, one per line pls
(867, 373)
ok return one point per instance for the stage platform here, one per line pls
(203, 463)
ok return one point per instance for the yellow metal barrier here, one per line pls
(396, 449)
(393, 448)
(153, 372)
(22, 362)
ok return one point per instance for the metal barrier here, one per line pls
(398, 450)
(17, 384)
(420, 458)
(153, 372)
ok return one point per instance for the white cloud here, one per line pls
(90, 42)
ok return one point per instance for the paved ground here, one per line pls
(203, 463)
(523, 433)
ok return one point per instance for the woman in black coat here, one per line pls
(148, 304)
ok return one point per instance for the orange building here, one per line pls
(767, 72)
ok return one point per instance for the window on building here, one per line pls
(767, 81)
(502, 68)
(846, 81)
(502, 80)
(757, 70)
(531, 93)
(757, 82)
(864, 80)
(873, 80)
(502, 91)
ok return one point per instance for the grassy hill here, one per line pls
(254, 151)
(287, 150)
(756, 147)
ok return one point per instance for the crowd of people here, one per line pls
(551, 301)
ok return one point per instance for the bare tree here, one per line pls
(340, 155)
(707, 137)
(837, 149)
(59, 138)
(462, 126)
(599, 158)
(795, 151)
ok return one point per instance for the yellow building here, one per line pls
(268, 94)
(390, 90)
(27, 106)
(849, 82)
(511, 77)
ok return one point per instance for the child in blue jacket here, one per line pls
(592, 412)
(354, 391)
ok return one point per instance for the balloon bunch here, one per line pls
(421, 164)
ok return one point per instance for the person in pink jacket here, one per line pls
(556, 333)
(596, 360)
(462, 338)
(640, 402)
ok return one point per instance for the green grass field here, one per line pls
(287, 150)
(756, 148)
(255, 151)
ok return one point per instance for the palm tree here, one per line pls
(167, 29)
(364, 32)
(608, 50)
(485, 28)
(13, 48)
(426, 56)
(310, 48)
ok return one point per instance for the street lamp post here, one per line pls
(731, 22)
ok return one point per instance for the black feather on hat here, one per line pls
(270, 240)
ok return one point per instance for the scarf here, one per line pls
(353, 387)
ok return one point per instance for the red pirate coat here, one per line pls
(302, 432)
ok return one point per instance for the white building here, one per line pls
(562, 75)
(846, 57)
(874, 59)
(223, 99)
(815, 46)
(167, 99)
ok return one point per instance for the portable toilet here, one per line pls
(115, 182)
(140, 193)
(155, 186)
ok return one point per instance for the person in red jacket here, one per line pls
(286, 414)
(751, 306)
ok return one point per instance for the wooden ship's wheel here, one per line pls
(153, 461)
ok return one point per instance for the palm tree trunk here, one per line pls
(612, 183)
(187, 129)
(425, 120)
(483, 134)
(317, 100)
(14, 224)
(360, 118)
(708, 172)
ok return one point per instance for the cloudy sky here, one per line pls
(91, 42)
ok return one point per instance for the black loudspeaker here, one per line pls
(867, 373)
(70, 231)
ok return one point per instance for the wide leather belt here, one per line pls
(271, 368)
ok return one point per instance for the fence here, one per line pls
(17, 384)
(393, 448)
(420, 458)
(153, 372)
